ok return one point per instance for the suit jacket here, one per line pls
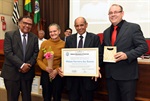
(91, 41)
(131, 41)
(13, 53)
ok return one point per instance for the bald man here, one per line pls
(41, 38)
(82, 88)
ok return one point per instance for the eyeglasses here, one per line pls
(115, 12)
(25, 23)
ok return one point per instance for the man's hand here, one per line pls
(26, 67)
(99, 75)
(120, 56)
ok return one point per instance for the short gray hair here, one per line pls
(54, 24)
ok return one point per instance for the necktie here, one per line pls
(114, 34)
(24, 46)
(80, 44)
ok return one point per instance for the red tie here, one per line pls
(113, 37)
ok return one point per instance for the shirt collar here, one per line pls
(84, 35)
(21, 33)
(119, 24)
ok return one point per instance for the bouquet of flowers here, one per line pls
(49, 55)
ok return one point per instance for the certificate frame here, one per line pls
(76, 62)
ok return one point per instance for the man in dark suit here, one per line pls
(20, 51)
(122, 76)
(82, 87)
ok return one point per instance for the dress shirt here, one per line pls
(21, 35)
(40, 42)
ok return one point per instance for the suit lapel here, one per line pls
(109, 37)
(122, 31)
(17, 37)
(87, 40)
(74, 40)
(29, 41)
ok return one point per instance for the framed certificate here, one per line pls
(80, 61)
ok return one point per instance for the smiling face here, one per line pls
(54, 32)
(25, 25)
(68, 32)
(115, 14)
(80, 25)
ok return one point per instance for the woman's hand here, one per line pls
(53, 74)
(49, 70)
(60, 72)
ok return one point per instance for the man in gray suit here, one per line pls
(20, 51)
(122, 76)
